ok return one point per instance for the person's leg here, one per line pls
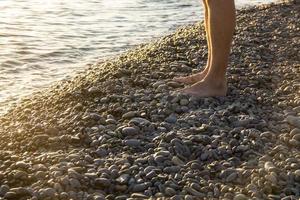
(221, 22)
(199, 76)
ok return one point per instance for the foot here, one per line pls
(194, 78)
(206, 88)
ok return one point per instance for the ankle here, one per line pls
(217, 82)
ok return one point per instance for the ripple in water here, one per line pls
(42, 41)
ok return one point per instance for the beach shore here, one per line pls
(117, 130)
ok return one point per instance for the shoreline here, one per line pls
(11, 93)
(116, 131)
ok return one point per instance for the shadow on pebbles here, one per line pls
(117, 131)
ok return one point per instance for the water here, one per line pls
(42, 41)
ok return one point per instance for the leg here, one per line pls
(221, 22)
(199, 76)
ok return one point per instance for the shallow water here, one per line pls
(44, 41)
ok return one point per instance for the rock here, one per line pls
(151, 174)
(139, 196)
(171, 119)
(139, 121)
(231, 177)
(22, 165)
(192, 191)
(129, 131)
(296, 137)
(177, 161)
(102, 183)
(240, 197)
(129, 115)
(184, 102)
(132, 143)
(170, 191)
(3, 190)
(123, 179)
(272, 178)
(293, 120)
(75, 183)
(47, 193)
(269, 166)
(140, 187)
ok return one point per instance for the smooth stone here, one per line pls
(184, 102)
(121, 197)
(47, 192)
(271, 178)
(132, 143)
(102, 182)
(23, 165)
(194, 192)
(269, 166)
(172, 119)
(138, 196)
(74, 183)
(232, 177)
(129, 131)
(3, 190)
(293, 120)
(170, 191)
(296, 137)
(139, 121)
(151, 174)
(297, 172)
(240, 197)
(172, 169)
(177, 161)
(140, 187)
(129, 115)
(123, 179)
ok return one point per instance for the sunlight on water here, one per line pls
(44, 40)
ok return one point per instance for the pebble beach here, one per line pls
(119, 131)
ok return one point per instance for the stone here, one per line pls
(132, 142)
(140, 187)
(170, 191)
(129, 115)
(184, 102)
(123, 179)
(172, 119)
(129, 131)
(102, 182)
(293, 120)
(269, 166)
(240, 197)
(139, 121)
(47, 193)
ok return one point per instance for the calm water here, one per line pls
(44, 40)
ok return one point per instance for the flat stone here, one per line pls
(240, 197)
(129, 115)
(293, 120)
(129, 131)
(132, 142)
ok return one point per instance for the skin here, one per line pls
(219, 26)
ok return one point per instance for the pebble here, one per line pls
(132, 142)
(294, 121)
(140, 187)
(129, 131)
(240, 197)
(170, 191)
(129, 115)
(118, 131)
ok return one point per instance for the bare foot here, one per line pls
(206, 88)
(194, 78)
